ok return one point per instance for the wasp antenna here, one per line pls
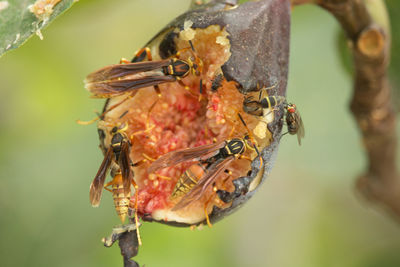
(191, 45)
(245, 125)
(148, 115)
(241, 118)
(247, 128)
(136, 196)
(271, 87)
(251, 139)
(148, 157)
(152, 106)
(123, 114)
(201, 90)
(87, 122)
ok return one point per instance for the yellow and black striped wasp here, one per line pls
(292, 115)
(212, 159)
(120, 79)
(127, 77)
(116, 155)
(117, 159)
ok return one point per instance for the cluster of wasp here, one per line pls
(125, 79)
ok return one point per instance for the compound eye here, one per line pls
(101, 133)
(114, 130)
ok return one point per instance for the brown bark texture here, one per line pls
(371, 104)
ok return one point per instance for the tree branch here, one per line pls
(371, 104)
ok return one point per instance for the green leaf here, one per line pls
(18, 23)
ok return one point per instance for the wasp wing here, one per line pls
(121, 70)
(208, 179)
(111, 88)
(300, 131)
(252, 106)
(125, 166)
(96, 188)
(186, 154)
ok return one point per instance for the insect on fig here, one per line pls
(190, 129)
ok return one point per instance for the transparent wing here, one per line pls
(205, 182)
(301, 131)
(115, 71)
(186, 154)
(252, 106)
(125, 165)
(111, 88)
(96, 188)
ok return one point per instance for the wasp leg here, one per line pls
(147, 158)
(232, 131)
(232, 121)
(269, 88)
(124, 61)
(163, 177)
(136, 196)
(184, 49)
(282, 136)
(206, 206)
(107, 185)
(245, 157)
(148, 126)
(206, 133)
(101, 116)
(187, 88)
(140, 56)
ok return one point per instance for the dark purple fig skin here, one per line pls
(259, 39)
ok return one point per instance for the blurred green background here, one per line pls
(306, 214)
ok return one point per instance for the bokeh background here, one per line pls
(306, 214)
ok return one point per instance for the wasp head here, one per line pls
(196, 65)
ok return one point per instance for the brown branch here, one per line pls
(126, 236)
(371, 104)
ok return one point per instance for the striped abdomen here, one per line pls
(272, 101)
(188, 180)
(121, 200)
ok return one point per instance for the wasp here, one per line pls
(212, 160)
(292, 115)
(117, 158)
(120, 79)
(118, 155)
